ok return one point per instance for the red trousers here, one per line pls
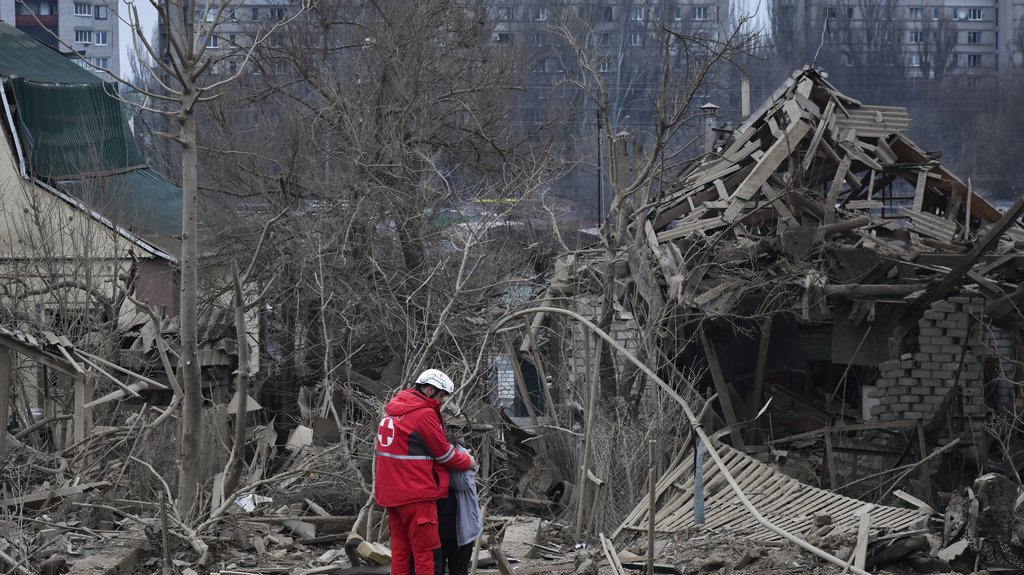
(413, 534)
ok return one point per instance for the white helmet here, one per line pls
(438, 379)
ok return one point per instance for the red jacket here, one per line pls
(413, 453)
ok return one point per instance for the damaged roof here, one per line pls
(828, 195)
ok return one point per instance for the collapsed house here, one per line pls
(847, 304)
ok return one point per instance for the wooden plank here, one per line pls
(819, 131)
(722, 388)
(860, 552)
(769, 163)
(837, 185)
(38, 497)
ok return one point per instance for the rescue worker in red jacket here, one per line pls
(413, 458)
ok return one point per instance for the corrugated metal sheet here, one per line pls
(25, 57)
(874, 121)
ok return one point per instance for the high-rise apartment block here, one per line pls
(84, 30)
(915, 38)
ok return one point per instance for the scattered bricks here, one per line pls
(944, 306)
(905, 356)
(958, 299)
(930, 331)
(822, 519)
(921, 390)
(934, 314)
(906, 362)
(889, 365)
(930, 348)
(926, 324)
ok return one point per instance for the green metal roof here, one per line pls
(75, 137)
(23, 56)
(140, 201)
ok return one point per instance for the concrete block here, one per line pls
(959, 299)
(934, 314)
(944, 306)
(889, 365)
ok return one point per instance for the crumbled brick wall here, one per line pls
(914, 386)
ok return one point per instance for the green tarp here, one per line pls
(74, 129)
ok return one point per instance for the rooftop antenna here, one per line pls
(824, 29)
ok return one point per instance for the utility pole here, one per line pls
(600, 175)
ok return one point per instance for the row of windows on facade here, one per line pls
(46, 9)
(608, 39)
(637, 13)
(916, 13)
(915, 60)
(234, 14)
(100, 62)
(94, 37)
(920, 36)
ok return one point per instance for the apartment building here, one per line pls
(86, 31)
(916, 38)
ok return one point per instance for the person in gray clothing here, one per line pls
(459, 523)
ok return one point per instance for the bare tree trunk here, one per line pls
(191, 422)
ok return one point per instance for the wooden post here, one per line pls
(830, 458)
(595, 376)
(698, 481)
(5, 397)
(722, 388)
(652, 499)
(83, 415)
